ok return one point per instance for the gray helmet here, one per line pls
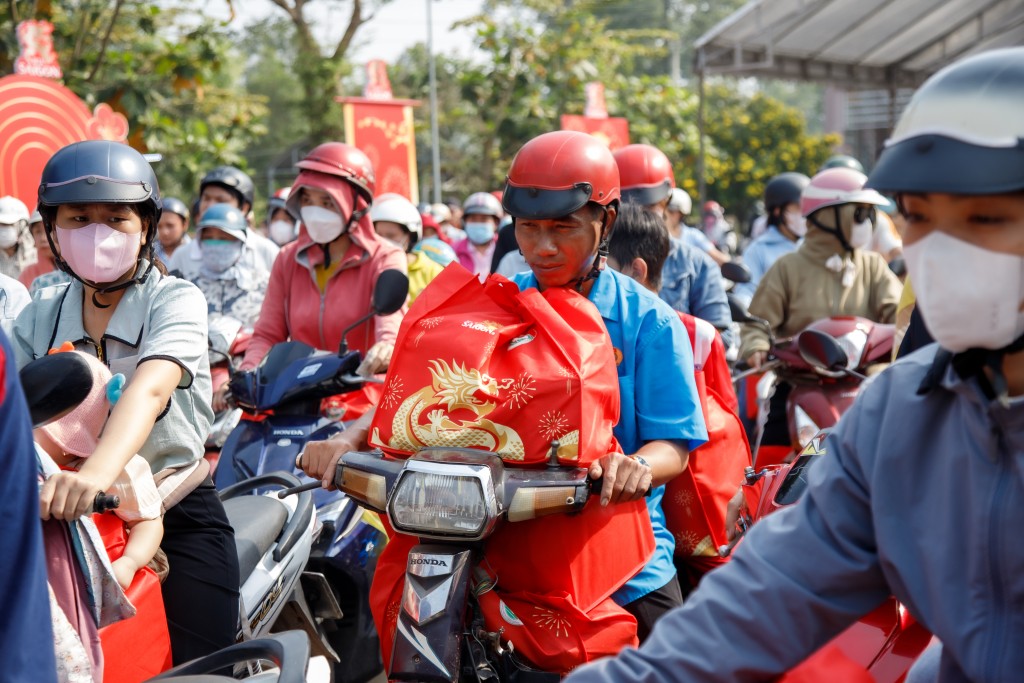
(175, 206)
(232, 179)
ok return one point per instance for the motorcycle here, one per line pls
(281, 404)
(882, 645)
(454, 499)
(819, 394)
(287, 652)
(273, 540)
(228, 340)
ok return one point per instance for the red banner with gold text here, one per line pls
(383, 129)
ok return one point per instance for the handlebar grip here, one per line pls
(104, 502)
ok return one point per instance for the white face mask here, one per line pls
(969, 297)
(323, 225)
(796, 223)
(8, 236)
(860, 234)
(282, 232)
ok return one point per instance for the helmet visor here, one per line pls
(647, 196)
(539, 203)
(936, 163)
(94, 189)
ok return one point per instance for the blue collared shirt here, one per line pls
(657, 393)
(691, 282)
(759, 257)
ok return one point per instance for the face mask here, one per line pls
(8, 236)
(98, 253)
(860, 234)
(282, 232)
(219, 255)
(479, 233)
(323, 225)
(969, 297)
(796, 223)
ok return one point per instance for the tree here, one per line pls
(318, 70)
(169, 75)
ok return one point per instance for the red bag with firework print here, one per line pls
(486, 366)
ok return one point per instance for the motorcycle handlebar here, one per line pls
(104, 502)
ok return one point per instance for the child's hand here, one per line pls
(124, 570)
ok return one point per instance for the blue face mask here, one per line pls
(479, 233)
(219, 255)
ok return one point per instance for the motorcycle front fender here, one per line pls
(431, 620)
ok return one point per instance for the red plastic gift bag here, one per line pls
(695, 501)
(483, 365)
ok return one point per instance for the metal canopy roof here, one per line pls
(856, 43)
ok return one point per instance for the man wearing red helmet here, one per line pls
(563, 192)
(691, 280)
(322, 282)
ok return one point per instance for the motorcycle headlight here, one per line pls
(444, 501)
(805, 427)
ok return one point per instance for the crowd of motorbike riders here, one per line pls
(915, 499)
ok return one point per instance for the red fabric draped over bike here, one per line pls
(483, 365)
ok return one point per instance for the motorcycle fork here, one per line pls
(431, 622)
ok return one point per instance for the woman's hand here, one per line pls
(220, 398)
(757, 359)
(377, 359)
(124, 570)
(68, 495)
(320, 459)
(624, 478)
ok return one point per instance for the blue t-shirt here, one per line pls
(657, 393)
(26, 635)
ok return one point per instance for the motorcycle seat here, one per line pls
(258, 522)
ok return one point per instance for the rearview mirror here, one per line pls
(736, 272)
(54, 385)
(390, 292)
(822, 351)
(739, 312)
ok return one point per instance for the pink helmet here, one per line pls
(836, 186)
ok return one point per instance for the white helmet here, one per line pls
(483, 203)
(13, 211)
(961, 132)
(395, 208)
(679, 201)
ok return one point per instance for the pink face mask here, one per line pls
(98, 253)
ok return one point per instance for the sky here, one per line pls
(396, 26)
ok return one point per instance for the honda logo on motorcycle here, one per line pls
(433, 561)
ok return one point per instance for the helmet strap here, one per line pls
(600, 259)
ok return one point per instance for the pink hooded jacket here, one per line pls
(294, 307)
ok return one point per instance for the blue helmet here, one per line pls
(436, 250)
(225, 217)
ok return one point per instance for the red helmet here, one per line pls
(556, 173)
(344, 161)
(835, 186)
(711, 206)
(645, 174)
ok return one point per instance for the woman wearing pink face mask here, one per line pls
(100, 204)
(322, 282)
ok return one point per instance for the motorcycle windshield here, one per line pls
(279, 358)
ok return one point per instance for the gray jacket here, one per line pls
(919, 496)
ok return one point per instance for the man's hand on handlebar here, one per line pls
(624, 478)
(221, 398)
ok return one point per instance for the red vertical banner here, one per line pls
(613, 131)
(383, 129)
